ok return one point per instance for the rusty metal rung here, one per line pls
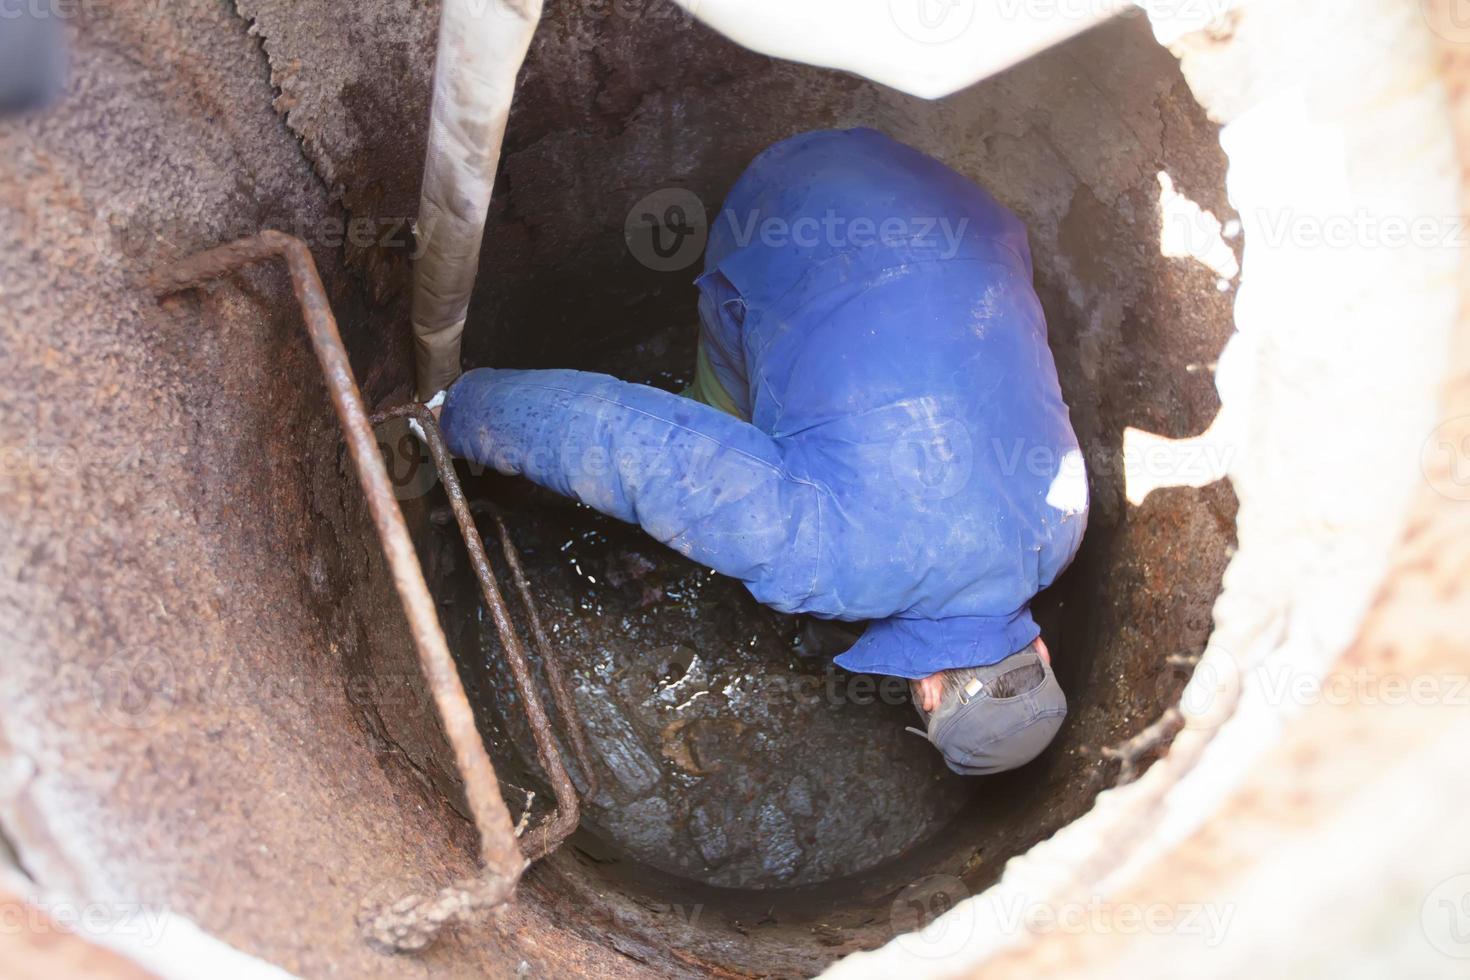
(412, 922)
(555, 828)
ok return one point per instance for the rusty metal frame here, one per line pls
(411, 922)
(555, 828)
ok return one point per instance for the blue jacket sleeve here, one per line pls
(712, 487)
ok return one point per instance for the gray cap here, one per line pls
(978, 733)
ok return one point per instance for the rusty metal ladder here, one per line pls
(410, 923)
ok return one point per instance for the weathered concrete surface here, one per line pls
(352, 82)
(208, 703)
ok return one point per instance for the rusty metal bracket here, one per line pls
(555, 828)
(411, 923)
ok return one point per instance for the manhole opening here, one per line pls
(758, 808)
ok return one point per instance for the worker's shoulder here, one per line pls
(851, 173)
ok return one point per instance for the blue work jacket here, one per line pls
(894, 445)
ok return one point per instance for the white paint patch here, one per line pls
(1152, 462)
(1174, 19)
(1068, 490)
(1188, 231)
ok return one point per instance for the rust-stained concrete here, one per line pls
(206, 669)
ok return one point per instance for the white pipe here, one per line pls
(482, 44)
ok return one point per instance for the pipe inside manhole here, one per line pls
(754, 815)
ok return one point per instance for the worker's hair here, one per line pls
(1019, 680)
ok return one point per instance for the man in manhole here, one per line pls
(875, 433)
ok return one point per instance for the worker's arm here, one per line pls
(708, 485)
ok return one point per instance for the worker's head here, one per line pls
(993, 718)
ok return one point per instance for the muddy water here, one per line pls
(725, 752)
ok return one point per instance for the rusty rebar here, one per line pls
(1132, 751)
(555, 676)
(399, 925)
(561, 692)
(543, 838)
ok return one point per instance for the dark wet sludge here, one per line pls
(725, 755)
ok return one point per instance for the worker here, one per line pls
(875, 431)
